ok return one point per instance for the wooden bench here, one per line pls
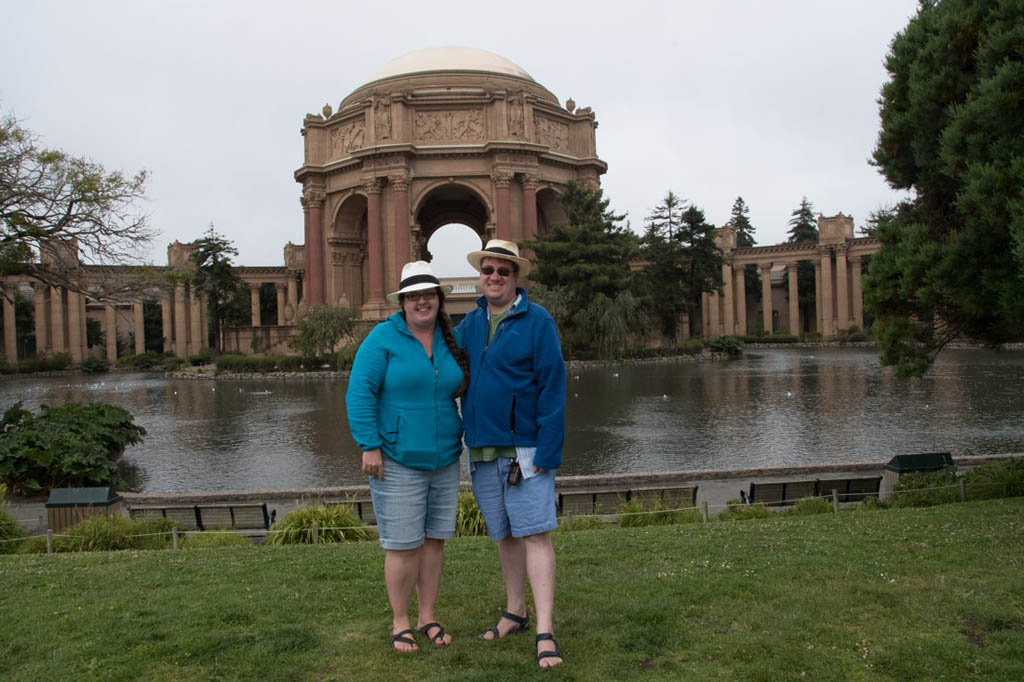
(778, 494)
(673, 497)
(587, 501)
(850, 489)
(362, 506)
(239, 516)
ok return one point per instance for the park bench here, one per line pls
(850, 489)
(234, 516)
(605, 499)
(362, 506)
(785, 493)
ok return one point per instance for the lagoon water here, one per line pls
(772, 407)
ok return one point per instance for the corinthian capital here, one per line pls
(399, 182)
(372, 185)
(502, 178)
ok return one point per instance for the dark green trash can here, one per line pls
(68, 506)
(904, 464)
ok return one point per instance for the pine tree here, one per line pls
(803, 227)
(741, 224)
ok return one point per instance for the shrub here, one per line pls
(809, 506)
(172, 364)
(245, 364)
(730, 345)
(208, 540)
(346, 356)
(692, 346)
(10, 529)
(336, 523)
(51, 363)
(72, 445)
(736, 510)
(851, 335)
(110, 533)
(1000, 478)
(870, 503)
(635, 514)
(5, 366)
(925, 488)
(810, 337)
(147, 360)
(95, 364)
(469, 519)
(590, 522)
(289, 363)
(203, 357)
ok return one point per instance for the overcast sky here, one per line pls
(770, 101)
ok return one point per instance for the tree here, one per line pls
(702, 266)
(803, 228)
(214, 277)
(322, 329)
(740, 223)
(952, 131)
(57, 210)
(585, 258)
(664, 219)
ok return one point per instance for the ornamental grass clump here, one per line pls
(469, 520)
(809, 506)
(334, 523)
(1000, 478)
(635, 513)
(735, 510)
(207, 540)
(925, 488)
(588, 522)
(10, 531)
(111, 533)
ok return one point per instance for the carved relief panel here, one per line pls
(554, 134)
(465, 125)
(347, 138)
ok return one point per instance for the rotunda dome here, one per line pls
(449, 59)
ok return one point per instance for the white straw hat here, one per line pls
(499, 248)
(417, 276)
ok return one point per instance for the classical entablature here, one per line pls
(438, 136)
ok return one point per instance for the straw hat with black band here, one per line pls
(499, 248)
(417, 276)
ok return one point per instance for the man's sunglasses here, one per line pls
(489, 270)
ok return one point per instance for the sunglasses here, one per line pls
(426, 295)
(490, 269)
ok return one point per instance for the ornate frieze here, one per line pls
(347, 138)
(554, 134)
(450, 126)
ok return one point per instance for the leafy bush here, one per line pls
(72, 445)
(809, 506)
(925, 488)
(736, 510)
(692, 346)
(851, 335)
(208, 540)
(110, 533)
(289, 363)
(336, 523)
(51, 363)
(171, 364)
(346, 356)
(5, 366)
(870, 503)
(731, 345)
(810, 337)
(321, 329)
(245, 364)
(570, 523)
(469, 520)
(774, 337)
(10, 529)
(1000, 478)
(95, 364)
(203, 357)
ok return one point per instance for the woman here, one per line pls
(402, 414)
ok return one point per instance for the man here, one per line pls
(514, 414)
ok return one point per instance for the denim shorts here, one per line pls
(412, 504)
(526, 508)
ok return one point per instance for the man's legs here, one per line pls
(540, 567)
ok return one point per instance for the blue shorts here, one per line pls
(526, 508)
(412, 504)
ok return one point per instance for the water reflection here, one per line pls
(770, 408)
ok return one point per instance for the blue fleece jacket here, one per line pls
(516, 390)
(401, 401)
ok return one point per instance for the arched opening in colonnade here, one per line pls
(448, 246)
(451, 210)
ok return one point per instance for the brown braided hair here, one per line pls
(449, 340)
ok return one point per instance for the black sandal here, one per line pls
(523, 624)
(436, 639)
(405, 637)
(541, 655)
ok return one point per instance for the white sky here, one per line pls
(770, 101)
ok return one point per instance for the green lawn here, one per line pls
(912, 594)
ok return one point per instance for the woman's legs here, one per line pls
(401, 570)
(428, 584)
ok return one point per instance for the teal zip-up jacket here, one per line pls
(401, 401)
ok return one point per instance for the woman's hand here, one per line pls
(373, 464)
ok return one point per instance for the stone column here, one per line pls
(740, 294)
(10, 330)
(180, 328)
(281, 293)
(196, 335)
(400, 198)
(792, 270)
(254, 304)
(842, 288)
(374, 241)
(728, 317)
(166, 314)
(705, 314)
(817, 297)
(529, 207)
(57, 318)
(110, 332)
(827, 312)
(858, 294)
(76, 340)
(502, 195)
(139, 325)
(313, 202)
(41, 322)
(766, 297)
(293, 300)
(714, 301)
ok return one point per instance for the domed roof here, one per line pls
(449, 59)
